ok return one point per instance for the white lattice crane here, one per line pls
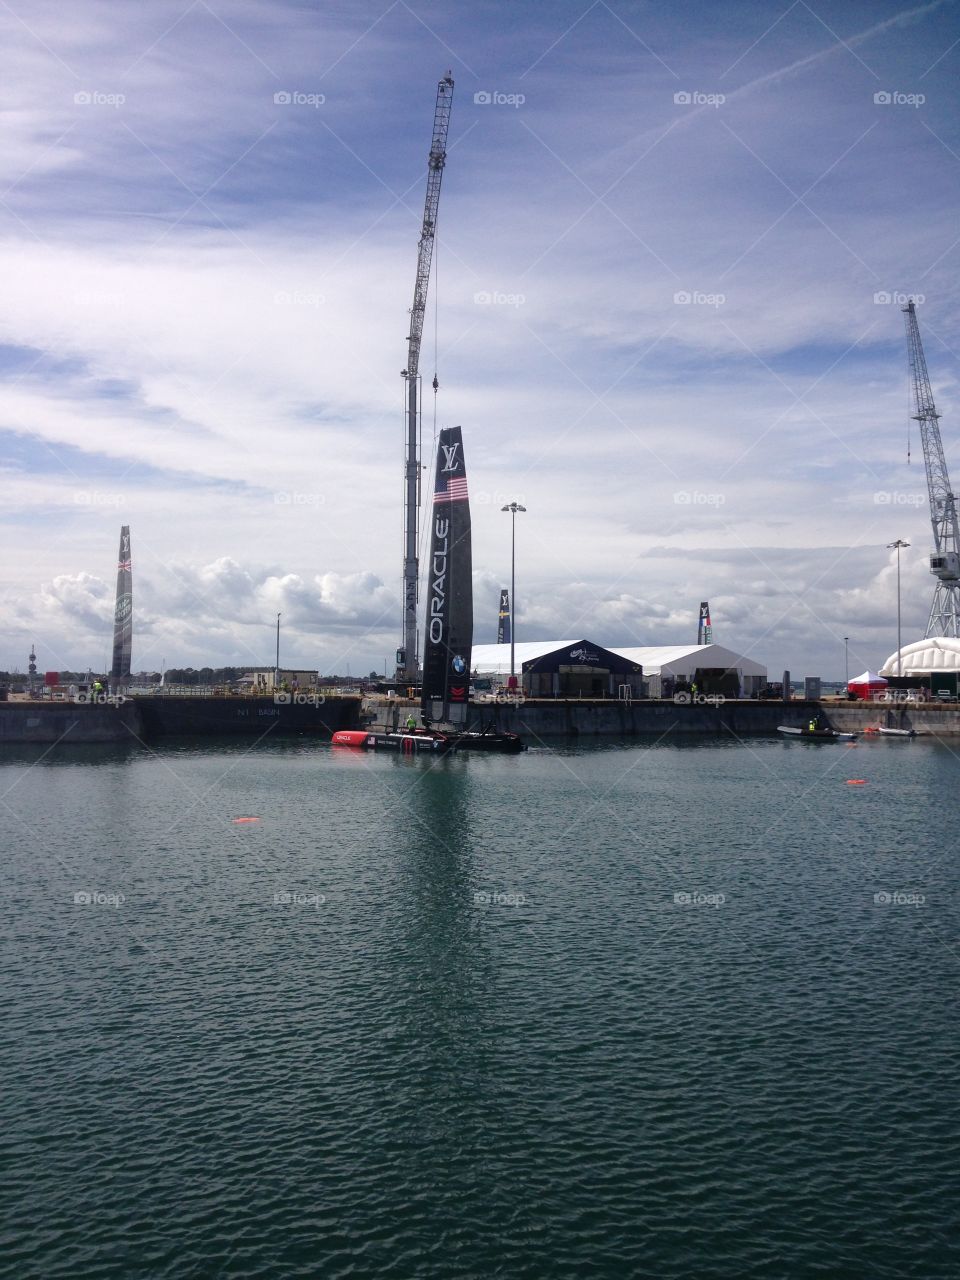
(945, 560)
(407, 663)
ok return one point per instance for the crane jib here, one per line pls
(407, 665)
(944, 617)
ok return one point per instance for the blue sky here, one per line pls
(206, 296)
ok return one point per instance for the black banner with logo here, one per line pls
(448, 622)
(503, 620)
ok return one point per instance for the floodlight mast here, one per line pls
(407, 660)
(944, 617)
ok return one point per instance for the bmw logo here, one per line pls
(459, 665)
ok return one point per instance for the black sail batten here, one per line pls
(123, 613)
(448, 623)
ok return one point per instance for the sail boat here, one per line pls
(448, 625)
(447, 628)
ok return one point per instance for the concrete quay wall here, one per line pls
(942, 719)
(137, 719)
(582, 718)
(68, 722)
(53, 722)
(576, 718)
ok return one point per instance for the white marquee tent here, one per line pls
(673, 662)
(925, 657)
(680, 662)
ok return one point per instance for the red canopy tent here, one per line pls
(867, 686)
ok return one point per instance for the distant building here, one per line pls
(925, 657)
(257, 679)
(666, 666)
(582, 668)
(561, 669)
(933, 663)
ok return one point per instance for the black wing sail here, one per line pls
(448, 625)
(123, 614)
(704, 629)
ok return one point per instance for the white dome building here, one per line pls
(934, 656)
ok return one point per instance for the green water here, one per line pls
(681, 1010)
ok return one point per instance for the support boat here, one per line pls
(815, 735)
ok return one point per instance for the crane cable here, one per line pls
(436, 332)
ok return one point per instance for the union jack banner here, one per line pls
(125, 564)
(453, 489)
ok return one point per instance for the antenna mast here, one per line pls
(945, 561)
(407, 663)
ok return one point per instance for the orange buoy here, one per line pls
(245, 819)
(856, 782)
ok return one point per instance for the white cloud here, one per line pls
(229, 372)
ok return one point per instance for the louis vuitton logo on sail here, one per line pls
(450, 460)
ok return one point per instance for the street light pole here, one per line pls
(890, 546)
(276, 671)
(513, 508)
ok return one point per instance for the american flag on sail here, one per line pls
(451, 489)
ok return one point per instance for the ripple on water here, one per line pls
(393, 1074)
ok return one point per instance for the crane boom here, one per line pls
(945, 561)
(407, 663)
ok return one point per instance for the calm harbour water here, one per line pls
(667, 1010)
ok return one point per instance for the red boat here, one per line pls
(417, 740)
(408, 743)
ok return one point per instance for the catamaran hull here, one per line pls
(415, 743)
(407, 743)
(505, 743)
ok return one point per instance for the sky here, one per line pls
(674, 241)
